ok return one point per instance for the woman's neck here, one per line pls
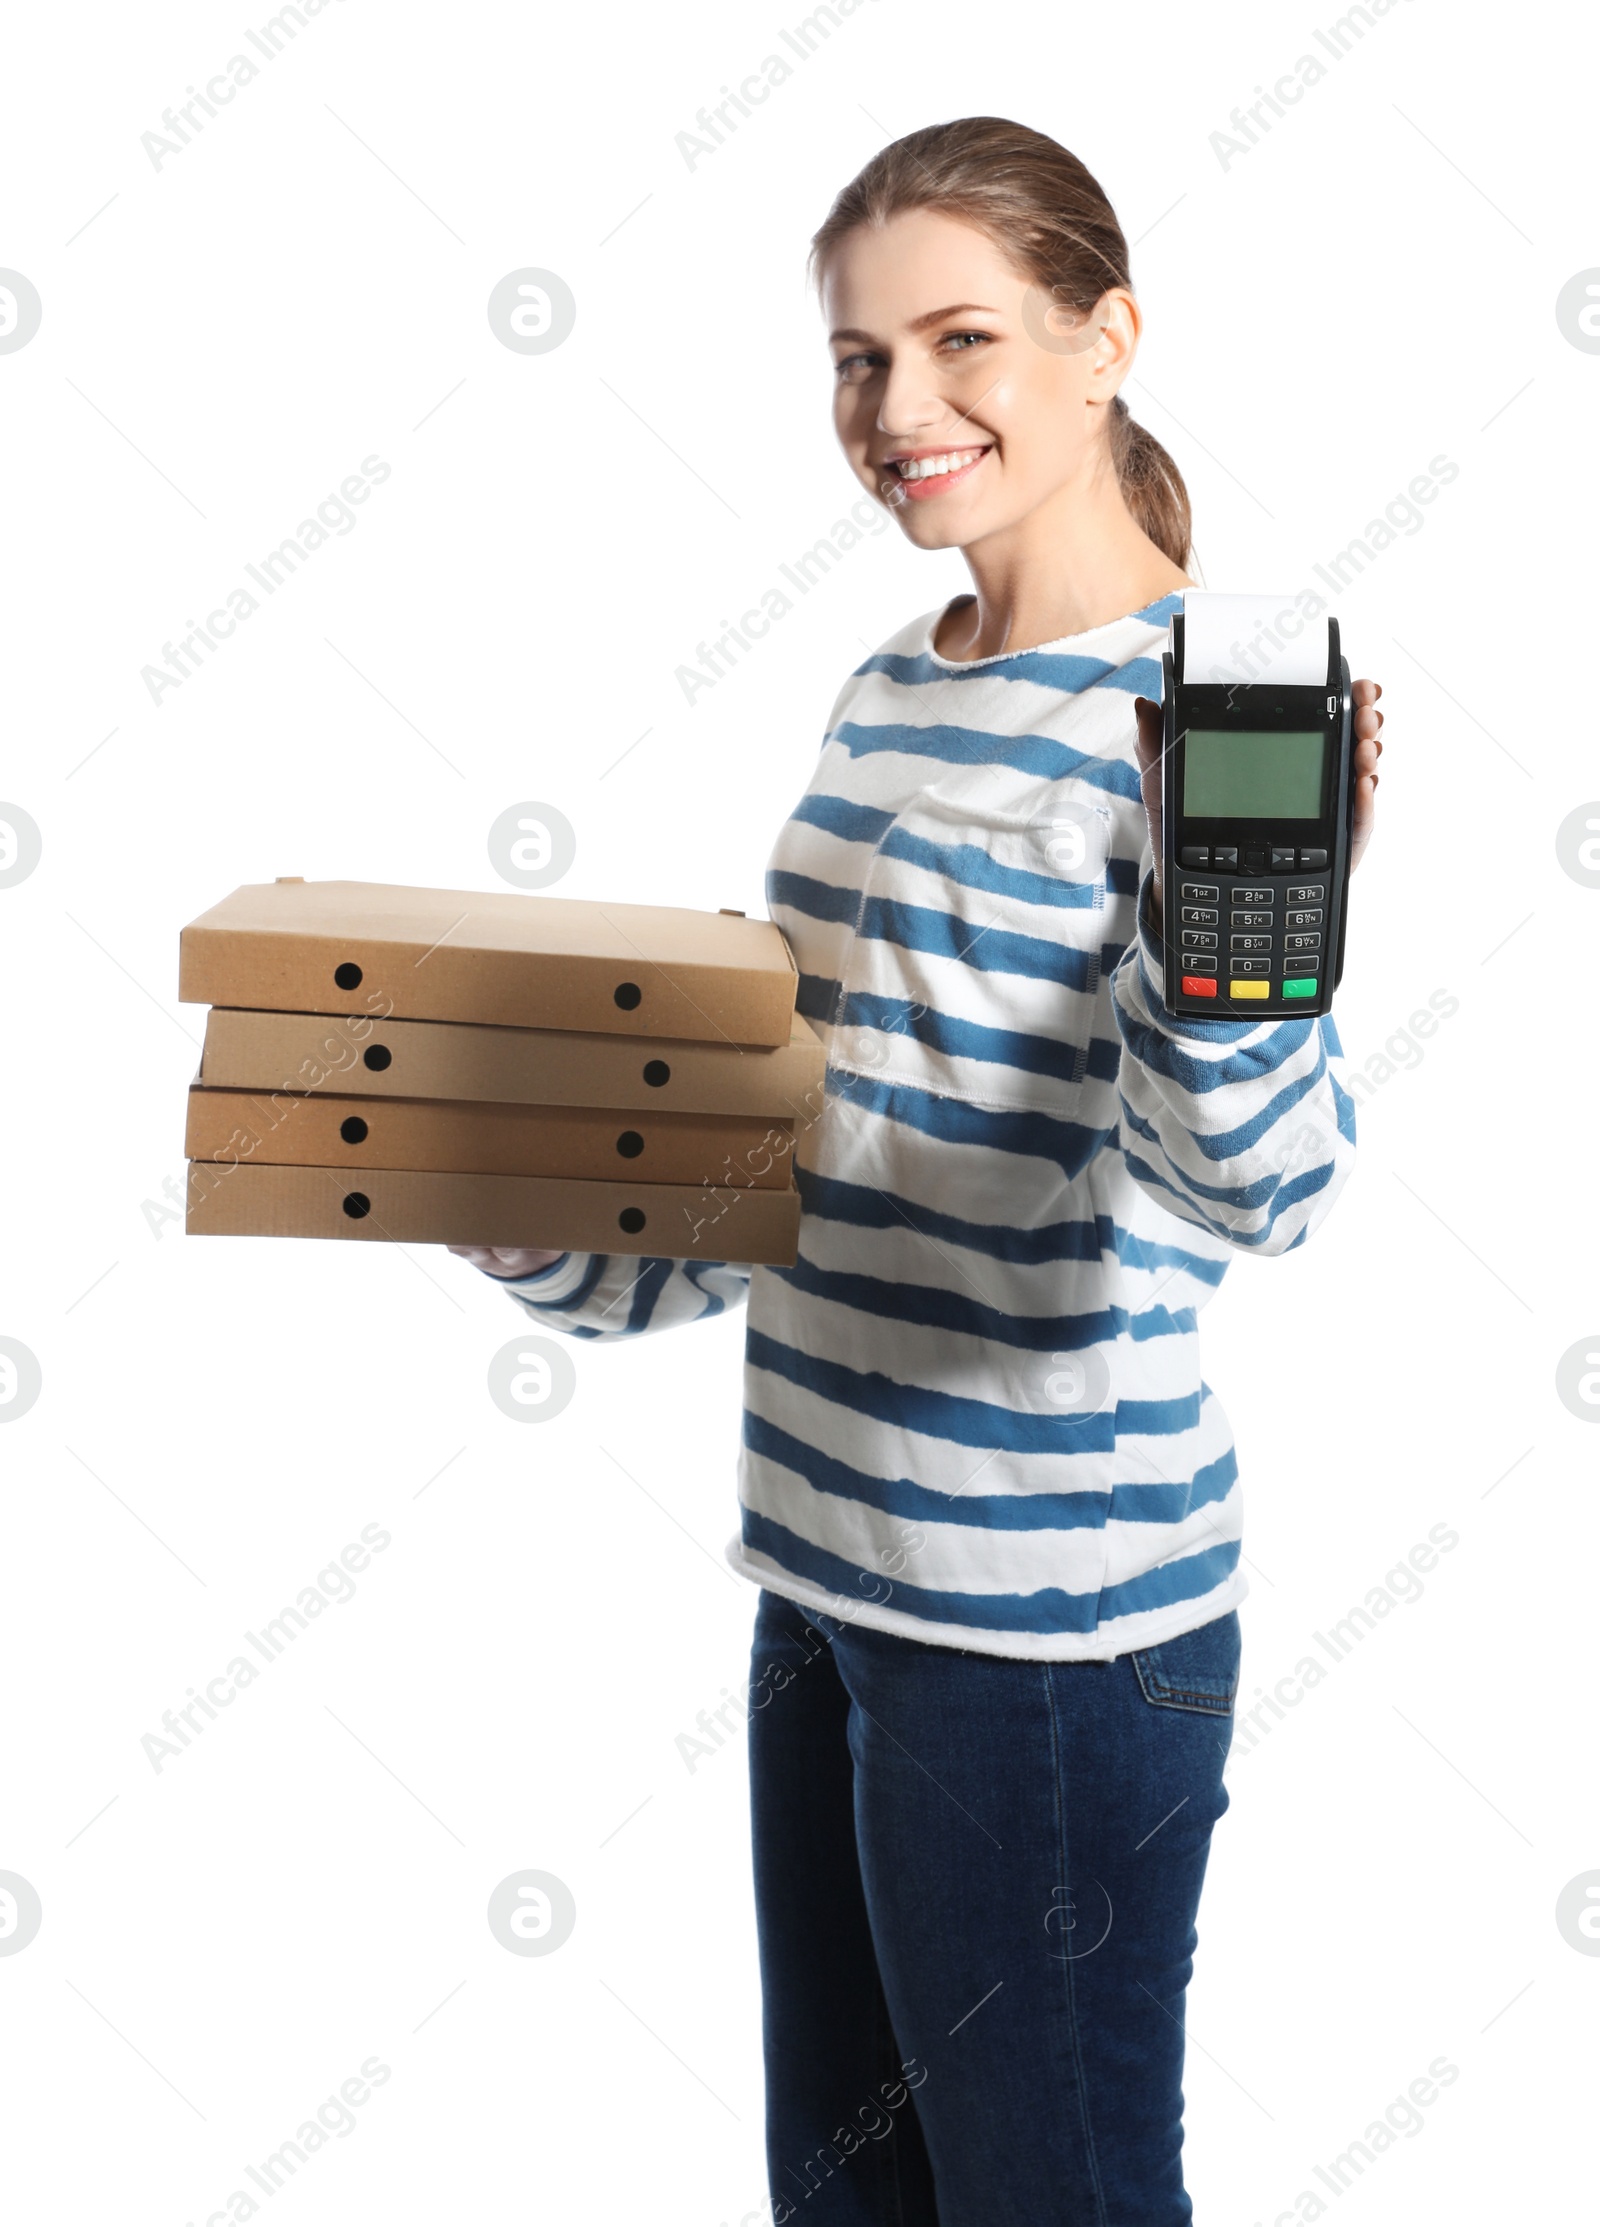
(1070, 565)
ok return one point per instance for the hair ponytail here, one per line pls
(1152, 486)
(1049, 216)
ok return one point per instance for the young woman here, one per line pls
(991, 1502)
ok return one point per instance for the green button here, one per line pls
(1306, 987)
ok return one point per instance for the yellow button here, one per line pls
(1248, 989)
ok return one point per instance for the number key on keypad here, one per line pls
(1310, 917)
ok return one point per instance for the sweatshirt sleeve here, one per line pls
(1244, 1128)
(618, 1295)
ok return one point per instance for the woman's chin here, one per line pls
(937, 526)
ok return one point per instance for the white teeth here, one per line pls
(933, 467)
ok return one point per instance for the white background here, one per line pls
(224, 339)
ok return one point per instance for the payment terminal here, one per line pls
(1258, 790)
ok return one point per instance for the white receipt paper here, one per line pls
(1232, 638)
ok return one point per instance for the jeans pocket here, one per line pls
(1196, 1670)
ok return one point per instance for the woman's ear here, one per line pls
(1117, 314)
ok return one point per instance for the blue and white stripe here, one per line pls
(974, 1411)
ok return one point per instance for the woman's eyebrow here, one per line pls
(917, 324)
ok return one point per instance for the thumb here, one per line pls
(1148, 716)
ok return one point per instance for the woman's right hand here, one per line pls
(506, 1261)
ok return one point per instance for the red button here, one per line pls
(1198, 986)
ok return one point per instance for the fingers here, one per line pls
(1367, 729)
(506, 1260)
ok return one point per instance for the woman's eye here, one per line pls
(851, 370)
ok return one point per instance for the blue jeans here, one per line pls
(976, 1886)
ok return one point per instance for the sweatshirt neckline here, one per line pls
(1162, 608)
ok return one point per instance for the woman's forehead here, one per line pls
(914, 268)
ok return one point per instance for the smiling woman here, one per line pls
(991, 1500)
(1005, 395)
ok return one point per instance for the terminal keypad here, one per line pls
(1274, 930)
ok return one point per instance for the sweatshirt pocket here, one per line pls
(976, 960)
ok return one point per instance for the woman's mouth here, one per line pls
(929, 472)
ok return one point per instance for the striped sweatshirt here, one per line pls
(974, 1412)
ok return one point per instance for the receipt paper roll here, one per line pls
(1229, 639)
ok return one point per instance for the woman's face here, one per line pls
(963, 398)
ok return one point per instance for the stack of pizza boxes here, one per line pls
(430, 1066)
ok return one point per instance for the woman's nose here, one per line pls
(910, 403)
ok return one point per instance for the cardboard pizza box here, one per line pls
(550, 1067)
(370, 949)
(412, 1207)
(463, 1136)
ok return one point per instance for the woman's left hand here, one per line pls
(1367, 727)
